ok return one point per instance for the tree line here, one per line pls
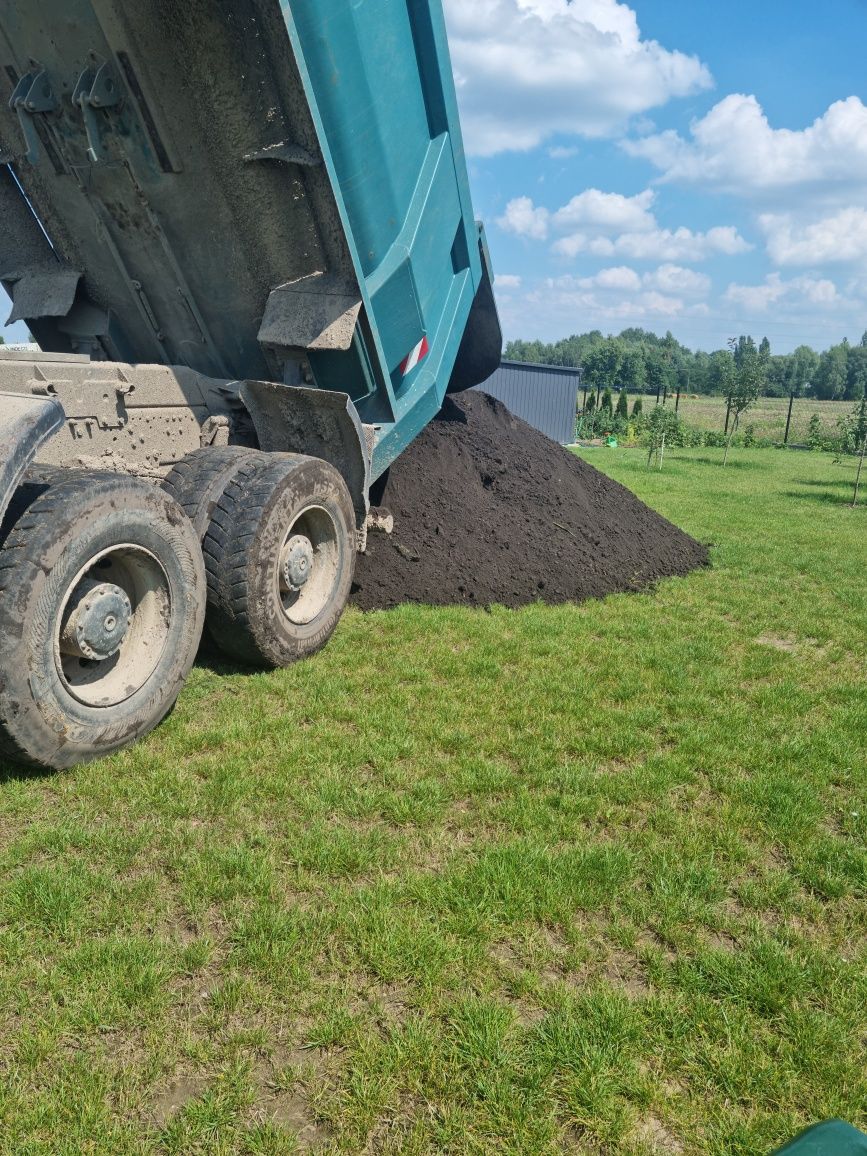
(642, 362)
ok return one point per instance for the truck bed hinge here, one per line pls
(96, 88)
(32, 94)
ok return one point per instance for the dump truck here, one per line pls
(241, 233)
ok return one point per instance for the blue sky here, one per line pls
(699, 167)
(693, 166)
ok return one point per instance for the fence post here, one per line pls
(788, 420)
(677, 402)
(858, 475)
(728, 415)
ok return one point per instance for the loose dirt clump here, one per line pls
(487, 510)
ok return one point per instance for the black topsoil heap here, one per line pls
(488, 510)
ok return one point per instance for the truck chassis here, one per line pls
(139, 502)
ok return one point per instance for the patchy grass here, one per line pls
(587, 878)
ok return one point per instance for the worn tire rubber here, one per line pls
(197, 481)
(241, 548)
(65, 524)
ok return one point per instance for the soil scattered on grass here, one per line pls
(488, 510)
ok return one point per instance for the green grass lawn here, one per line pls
(581, 879)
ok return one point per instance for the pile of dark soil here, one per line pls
(488, 510)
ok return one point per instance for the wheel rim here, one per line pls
(113, 626)
(308, 565)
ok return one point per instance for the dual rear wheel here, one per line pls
(105, 582)
(278, 537)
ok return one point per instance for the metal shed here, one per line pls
(544, 396)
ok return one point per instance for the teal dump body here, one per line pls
(380, 86)
(260, 190)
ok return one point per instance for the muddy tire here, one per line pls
(279, 555)
(198, 481)
(102, 603)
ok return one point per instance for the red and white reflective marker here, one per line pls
(411, 360)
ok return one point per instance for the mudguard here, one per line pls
(26, 423)
(318, 422)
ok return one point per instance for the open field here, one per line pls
(768, 415)
(580, 879)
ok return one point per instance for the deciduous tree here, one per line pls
(602, 363)
(662, 423)
(745, 381)
(832, 375)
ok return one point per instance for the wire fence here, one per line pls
(788, 421)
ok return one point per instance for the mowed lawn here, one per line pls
(581, 879)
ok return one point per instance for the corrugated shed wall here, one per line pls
(544, 396)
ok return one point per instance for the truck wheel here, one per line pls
(197, 482)
(279, 554)
(102, 604)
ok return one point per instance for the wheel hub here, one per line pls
(296, 563)
(98, 621)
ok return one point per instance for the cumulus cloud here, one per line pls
(838, 237)
(613, 225)
(619, 278)
(735, 148)
(658, 245)
(675, 279)
(816, 292)
(527, 70)
(817, 175)
(607, 212)
(525, 220)
(669, 280)
(613, 296)
(507, 281)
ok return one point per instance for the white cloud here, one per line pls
(612, 296)
(815, 292)
(607, 212)
(675, 279)
(800, 309)
(613, 225)
(524, 220)
(619, 278)
(669, 281)
(791, 240)
(527, 70)
(658, 245)
(735, 148)
(816, 177)
(507, 281)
